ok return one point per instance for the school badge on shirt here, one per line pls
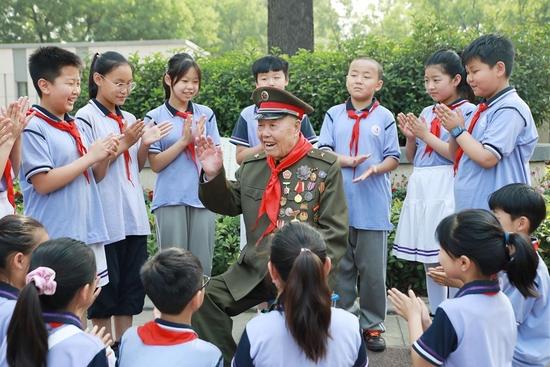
(375, 130)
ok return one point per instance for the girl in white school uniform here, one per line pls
(45, 326)
(110, 83)
(477, 327)
(182, 220)
(302, 329)
(19, 236)
(430, 189)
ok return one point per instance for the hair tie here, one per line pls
(43, 279)
(506, 237)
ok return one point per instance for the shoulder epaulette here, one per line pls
(254, 157)
(323, 155)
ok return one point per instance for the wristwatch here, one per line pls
(456, 131)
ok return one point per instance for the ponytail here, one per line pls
(92, 86)
(299, 253)
(522, 264)
(27, 337)
(306, 301)
(478, 235)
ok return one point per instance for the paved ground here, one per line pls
(396, 355)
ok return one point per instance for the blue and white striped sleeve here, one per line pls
(438, 341)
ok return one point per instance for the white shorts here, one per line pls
(429, 199)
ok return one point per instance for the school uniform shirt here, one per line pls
(507, 130)
(266, 341)
(245, 132)
(476, 328)
(8, 298)
(178, 182)
(368, 201)
(423, 159)
(74, 210)
(532, 319)
(166, 344)
(79, 349)
(121, 197)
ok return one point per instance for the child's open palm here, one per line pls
(153, 133)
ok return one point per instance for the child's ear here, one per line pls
(19, 261)
(523, 224)
(167, 79)
(500, 68)
(327, 266)
(465, 263)
(44, 86)
(196, 301)
(379, 85)
(98, 79)
(456, 80)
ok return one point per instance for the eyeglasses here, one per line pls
(121, 86)
(205, 281)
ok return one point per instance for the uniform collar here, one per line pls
(8, 291)
(351, 107)
(42, 110)
(487, 287)
(173, 110)
(56, 319)
(497, 96)
(162, 332)
(104, 110)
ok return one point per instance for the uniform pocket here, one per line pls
(253, 193)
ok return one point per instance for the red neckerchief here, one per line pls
(271, 198)
(459, 152)
(190, 146)
(127, 158)
(9, 183)
(354, 140)
(153, 334)
(435, 126)
(70, 128)
(535, 243)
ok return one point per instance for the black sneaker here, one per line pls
(374, 340)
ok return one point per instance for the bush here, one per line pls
(319, 77)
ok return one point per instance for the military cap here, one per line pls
(274, 103)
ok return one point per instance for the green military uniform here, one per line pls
(312, 192)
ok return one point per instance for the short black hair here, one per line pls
(47, 62)
(490, 49)
(269, 63)
(379, 67)
(171, 278)
(520, 200)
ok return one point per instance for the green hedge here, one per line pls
(319, 77)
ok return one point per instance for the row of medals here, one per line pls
(304, 189)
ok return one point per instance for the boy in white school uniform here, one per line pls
(57, 181)
(363, 134)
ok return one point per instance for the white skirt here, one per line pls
(429, 199)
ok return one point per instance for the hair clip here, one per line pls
(304, 249)
(43, 279)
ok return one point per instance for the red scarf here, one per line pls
(435, 126)
(153, 334)
(354, 141)
(271, 199)
(459, 152)
(127, 158)
(190, 146)
(70, 128)
(9, 183)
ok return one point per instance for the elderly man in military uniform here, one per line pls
(290, 181)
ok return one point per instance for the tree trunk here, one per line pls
(290, 25)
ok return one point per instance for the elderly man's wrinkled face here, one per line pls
(279, 136)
